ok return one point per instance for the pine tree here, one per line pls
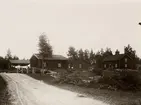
(86, 55)
(81, 54)
(8, 55)
(92, 57)
(45, 49)
(72, 53)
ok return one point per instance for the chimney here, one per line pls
(117, 52)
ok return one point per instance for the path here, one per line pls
(28, 91)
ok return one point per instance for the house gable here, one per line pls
(34, 61)
(122, 61)
(127, 62)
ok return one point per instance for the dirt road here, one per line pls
(28, 91)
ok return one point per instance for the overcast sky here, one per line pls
(83, 24)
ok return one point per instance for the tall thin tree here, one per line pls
(72, 53)
(45, 49)
(8, 55)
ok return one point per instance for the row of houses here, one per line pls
(117, 61)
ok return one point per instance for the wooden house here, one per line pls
(54, 62)
(119, 61)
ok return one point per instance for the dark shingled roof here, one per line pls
(19, 61)
(54, 57)
(114, 57)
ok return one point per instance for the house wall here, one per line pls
(120, 63)
(39, 63)
(50, 64)
(111, 64)
(34, 62)
(53, 64)
(130, 63)
(76, 65)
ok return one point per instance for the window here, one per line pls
(80, 66)
(125, 59)
(95, 61)
(44, 64)
(126, 65)
(116, 65)
(69, 66)
(59, 65)
(104, 65)
(110, 65)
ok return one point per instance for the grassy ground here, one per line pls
(111, 97)
(4, 97)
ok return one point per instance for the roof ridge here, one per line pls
(113, 57)
(55, 56)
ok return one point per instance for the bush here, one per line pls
(4, 95)
(70, 78)
(131, 79)
(98, 71)
(125, 80)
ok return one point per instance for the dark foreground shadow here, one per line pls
(4, 95)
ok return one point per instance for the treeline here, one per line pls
(97, 57)
(5, 60)
(10, 57)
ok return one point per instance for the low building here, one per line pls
(54, 62)
(19, 63)
(19, 66)
(119, 61)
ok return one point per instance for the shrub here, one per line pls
(98, 71)
(4, 95)
(131, 79)
(125, 79)
(74, 78)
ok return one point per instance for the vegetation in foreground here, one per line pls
(4, 96)
(73, 82)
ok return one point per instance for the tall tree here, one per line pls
(92, 57)
(117, 52)
(81, 54)
(107, 52)
(101, 51)
(8, 55)
(98, 58)
(1, 58)
(72, 53)
(86, 55)
(15, 57)
(45, 49)
(129, 50)
(132, 53)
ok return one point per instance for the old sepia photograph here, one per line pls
(70, 52)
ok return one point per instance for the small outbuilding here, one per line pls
(19, 62)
